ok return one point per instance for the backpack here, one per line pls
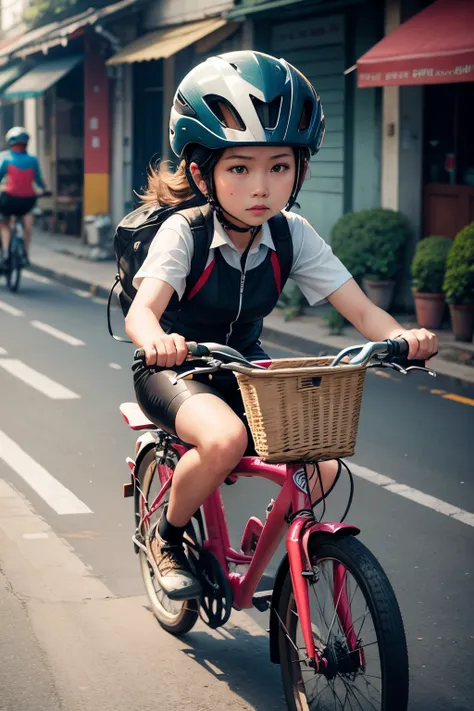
(137, 230)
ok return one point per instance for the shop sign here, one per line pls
(314, 32)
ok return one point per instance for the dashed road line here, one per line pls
(459, 398)
(37, 277)
(12, 310)
(37, 380)
(3, 352)
(55, 494)
(115, 366)
(72, 340)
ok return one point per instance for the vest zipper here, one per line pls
(243, 264)
(241, 294)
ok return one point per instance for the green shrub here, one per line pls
(371, 242)
(429, 264)
(458, 282)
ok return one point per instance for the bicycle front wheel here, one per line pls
(357, 628)
(13, 273)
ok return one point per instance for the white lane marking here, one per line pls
(37, 380)
(82, 293)
(115, 366)
(36, 277)
(50, 489)
(12, 310)
(408, 492)
(72, 340)
(2, 351)
(99, 300)
(34, 536)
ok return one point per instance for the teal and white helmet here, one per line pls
(246, 97)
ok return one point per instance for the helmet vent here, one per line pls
(224, 112)
(268, 113)
(182, 106)
(306, 115)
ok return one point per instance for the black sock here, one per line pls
(169, 533)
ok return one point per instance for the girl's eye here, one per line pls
(239, 169)
(280, 167)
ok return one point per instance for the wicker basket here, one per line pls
(305, 411)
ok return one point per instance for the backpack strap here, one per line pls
(282, 258)
(200, 220)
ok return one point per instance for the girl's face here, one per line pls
(253, 183)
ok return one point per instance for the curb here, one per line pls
(67, 280)
(282, 338)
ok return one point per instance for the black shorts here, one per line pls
(160, 400)
(18, 206)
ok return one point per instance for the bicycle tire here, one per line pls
(187, 611)
(13, 272)
(385, 612)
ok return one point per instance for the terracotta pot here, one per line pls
(379, 292)
(429, 309)
(462, 321)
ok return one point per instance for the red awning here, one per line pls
(436, 46)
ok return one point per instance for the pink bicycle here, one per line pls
(335, 625)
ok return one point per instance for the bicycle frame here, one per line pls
(294, 496)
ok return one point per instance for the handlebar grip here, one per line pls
(400, 348)
(198, 350)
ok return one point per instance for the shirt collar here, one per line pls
(221, 238)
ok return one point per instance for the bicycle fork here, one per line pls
(302, 529)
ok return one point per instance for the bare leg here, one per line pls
(328, 474)
(5, 230)
(28, 226)
(220, 440)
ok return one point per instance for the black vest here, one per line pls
(227, 306)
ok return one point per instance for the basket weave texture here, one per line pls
(305, 411)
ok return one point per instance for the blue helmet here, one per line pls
(246, 97)
(17, 134)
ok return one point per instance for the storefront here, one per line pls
(432, 87)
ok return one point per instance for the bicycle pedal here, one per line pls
(128, 490)
(261, 600)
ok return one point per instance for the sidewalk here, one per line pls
(68, 261)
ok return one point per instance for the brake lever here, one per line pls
(404, 371)
(425, 370)
(212, 367)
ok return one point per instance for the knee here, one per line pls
(226, 448)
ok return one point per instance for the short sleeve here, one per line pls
(316, 269)
(169, 256)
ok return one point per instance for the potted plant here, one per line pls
(371, 244)
(458, 284)
(427, 271)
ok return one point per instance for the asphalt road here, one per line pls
(415, 430)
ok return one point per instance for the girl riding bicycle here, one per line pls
(244, 125)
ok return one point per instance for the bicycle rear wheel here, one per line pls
(15, 257)
(176, 617)
(357, 628)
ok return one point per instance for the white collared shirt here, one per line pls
(316, 269)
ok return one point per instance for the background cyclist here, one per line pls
(20, 173)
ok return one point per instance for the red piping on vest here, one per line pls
(276, 270)
(202, 280)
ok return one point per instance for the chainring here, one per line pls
(216, 598)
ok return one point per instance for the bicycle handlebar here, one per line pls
(389, 353)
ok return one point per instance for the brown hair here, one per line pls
(167, 188)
